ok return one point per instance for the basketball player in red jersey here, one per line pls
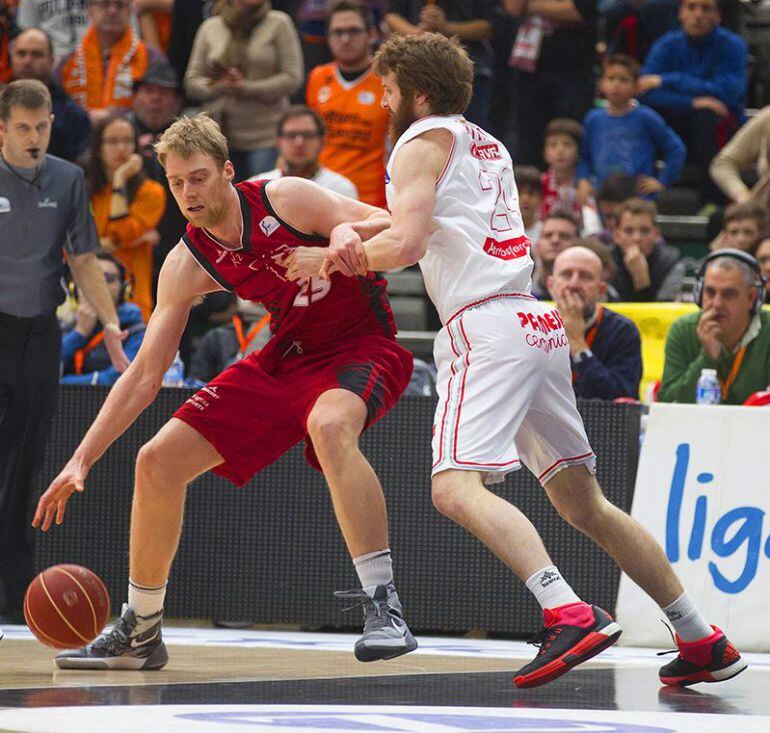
(331, 369)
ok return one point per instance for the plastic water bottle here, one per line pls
(707, 391)
(174, 376)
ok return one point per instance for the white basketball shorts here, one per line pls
(505, 392)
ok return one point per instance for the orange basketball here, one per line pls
(66, 606)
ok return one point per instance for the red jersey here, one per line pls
(311, 312)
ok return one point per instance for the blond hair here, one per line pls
(429, 64)
(190, 135)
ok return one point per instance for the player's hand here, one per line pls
(304, 262)
(113, 342)
(648, 184)
(708, 332)
(345, 253)
(53, 502)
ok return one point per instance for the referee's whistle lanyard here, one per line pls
(34, 181)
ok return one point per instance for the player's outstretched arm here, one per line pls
(181, 281)
(415, 172)
(314, 210)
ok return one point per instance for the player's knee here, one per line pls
(451, 498)
(151, 464)
(330, 432)
(588, 515)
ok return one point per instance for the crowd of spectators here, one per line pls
(605, 106)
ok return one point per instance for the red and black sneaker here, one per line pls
(713, 659)
(571, 635)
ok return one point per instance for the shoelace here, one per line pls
(380, 609)
(544, 638)
(116, 637)
(673, 638)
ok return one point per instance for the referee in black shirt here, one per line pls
(44, 209)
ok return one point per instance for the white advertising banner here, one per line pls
(703, 490)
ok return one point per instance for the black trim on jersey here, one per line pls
(296, 232)
(246, 216)
(206, 264)
(378, 297)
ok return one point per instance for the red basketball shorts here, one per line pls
(257, 409)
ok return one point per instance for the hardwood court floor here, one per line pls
(226, 680)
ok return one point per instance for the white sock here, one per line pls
(375, 568)
(687, 620)
(550, 589)
(144, 601)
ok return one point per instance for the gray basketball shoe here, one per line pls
(386, 634)
(132, 643)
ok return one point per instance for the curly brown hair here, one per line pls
(429, 64)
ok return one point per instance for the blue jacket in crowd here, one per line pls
(615, 368)
(629, 143)
(97, 367)
(713, 66)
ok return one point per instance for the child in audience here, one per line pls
(626, 137)
(561, 151)
(528, 183)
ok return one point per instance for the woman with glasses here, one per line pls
(127, 205)
(245, 62)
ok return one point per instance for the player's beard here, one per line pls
(402, 118)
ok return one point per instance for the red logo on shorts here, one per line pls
(508, 249)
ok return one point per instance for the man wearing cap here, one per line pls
(32, 58)
(156, 104)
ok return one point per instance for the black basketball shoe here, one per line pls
(713, 659)
(572, 634)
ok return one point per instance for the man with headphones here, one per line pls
(84, 357)
(730, 333)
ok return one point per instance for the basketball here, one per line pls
(66, 606)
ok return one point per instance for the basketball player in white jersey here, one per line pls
(505, 393)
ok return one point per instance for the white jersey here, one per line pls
(480, 248)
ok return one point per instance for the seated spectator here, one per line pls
(763, 258)
(559, 231)
(156, 104)
(743, 225)
(647, 268)
(245, 63)
(553, 55)
(347, 94)
(247, 331)
(730, 334)
(529, 184)
(696, 78)
(613, 191)
(466, 19)
(84, 358)
(300, 137)
(100, 73)
(748, 151)
(602, 251)
(32, 58)
(626, 137)
(65, 22)
(8, 31)
(561, 151)
(127, 205)
(605, 347)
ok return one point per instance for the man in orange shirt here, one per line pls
(347, 94)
